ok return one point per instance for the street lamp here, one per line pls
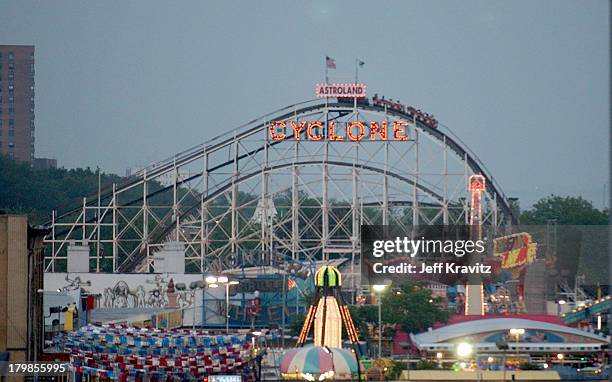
(559, 304)
(214, 282)
(439, 356)
(222, 279)
(560, 357)
(464, 350)
(379, 289)
(210, 280)
(192, 290)
(517, 333)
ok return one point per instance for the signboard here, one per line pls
(516, 250)
(341, 90)
(340, 131)
(224, 378)
(262, 285)
(476, 183)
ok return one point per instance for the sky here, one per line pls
(524, 84)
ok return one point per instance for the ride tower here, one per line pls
(328, 312)
(474, 290)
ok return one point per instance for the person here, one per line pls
(398, 105)
(375, 100)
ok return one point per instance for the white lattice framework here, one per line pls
(243, 198)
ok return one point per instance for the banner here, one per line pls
(515, 250)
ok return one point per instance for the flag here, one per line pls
(330, 63)
(360, 63)
(291, 284)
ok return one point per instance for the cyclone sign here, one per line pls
(341, 90)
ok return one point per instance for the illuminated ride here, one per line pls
(513, 253)
(245, 198)
(328, 312)
(317, 363)
(327, 315)
(474, 290)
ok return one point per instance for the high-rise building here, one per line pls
(17, 102)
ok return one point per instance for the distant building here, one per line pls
(45, 163)
(543, 337)
(17, 102)
(21, 276)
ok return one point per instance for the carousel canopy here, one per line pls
(318, 360)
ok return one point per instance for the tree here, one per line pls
(409, 305)
(363, 315)
(34, 192)
(566, 210)
(413, 307)
(578, 242)
(295, 326)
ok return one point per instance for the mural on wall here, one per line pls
(127, 291)
(120, 296)
(74, 284)
(531, 335)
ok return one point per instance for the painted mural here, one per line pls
(127, 290)
(531, 335)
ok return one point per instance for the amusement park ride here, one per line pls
(286, 186)
(319, 192)
(328, 312)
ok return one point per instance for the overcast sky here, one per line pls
(524, 83)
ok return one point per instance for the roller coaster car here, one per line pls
(351, 100)
(424, 118)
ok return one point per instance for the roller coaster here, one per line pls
(243, 198)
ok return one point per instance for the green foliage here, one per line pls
(295, 326)
(529, 366)
(426, 365)
(36, 193)
(394, 370)
(580, 234)
(362, 316)
(566, 210)
(411, 308)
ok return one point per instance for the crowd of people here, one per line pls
(416, 114)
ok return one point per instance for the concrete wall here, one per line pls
(535, 288)
(13, 285)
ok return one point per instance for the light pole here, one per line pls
(193, 293)
(439, 356)
(193, 286)
(561, 357)
(379, 289)
(214, 282)
(560, 303)
(517, 333)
